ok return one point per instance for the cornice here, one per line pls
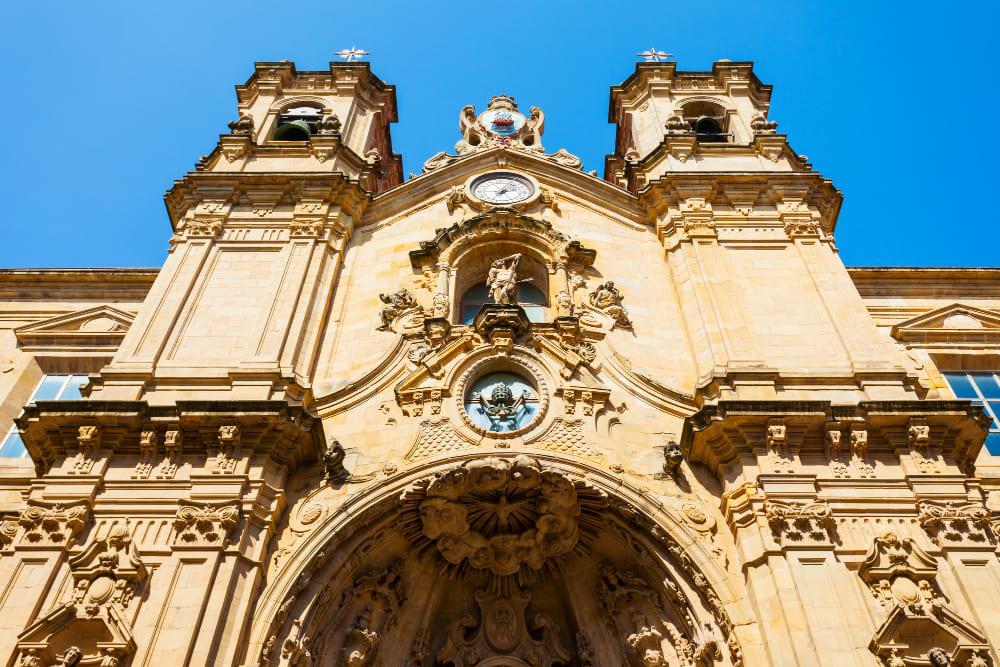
(88, 283)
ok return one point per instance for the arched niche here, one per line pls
(460, 256)
(501, 560)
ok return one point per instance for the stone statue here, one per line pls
(244, 125)
(333, 463)
(672, 457)
(938, 657)
(395, 304)
(70, 657)
(328, 125)
(608, 298)
(472, 130)
(502, 279)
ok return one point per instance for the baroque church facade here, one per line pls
(503, 413)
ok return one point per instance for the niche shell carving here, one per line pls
(501, 515)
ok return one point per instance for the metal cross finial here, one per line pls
(353, 53)
(654, 56)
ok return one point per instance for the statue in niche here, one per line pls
(502, 279)
(333, 463)
(395, 304)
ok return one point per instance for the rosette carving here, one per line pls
(501, 515)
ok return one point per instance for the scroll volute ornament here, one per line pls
(109, 571)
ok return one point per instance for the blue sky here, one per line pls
(107, 103)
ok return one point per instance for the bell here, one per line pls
(297, 130)
(706, 125)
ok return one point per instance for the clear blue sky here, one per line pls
(106, 103)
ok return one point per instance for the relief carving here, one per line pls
(608, 299)
(919, 433)
(172, 441)
(333, 463)
(859, 451)
(833, 451)
(147, 454)
(227, 453)
(500, 515)
(503, 628)
(204, 524)
(777, 446)
(52, 524)
(109, 571)
(902, 577)
(956, 523)
(88, 443)
(804, 524)
(394, 305)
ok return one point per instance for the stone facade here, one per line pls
(503, 412)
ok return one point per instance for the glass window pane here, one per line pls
(987, 384)
(72, 390)
(12, 446)
(469, 313)
(478, 292)
(530, 294)
(993, 444)
(994, 407)
(49, 388)
(534, 313)
(960, 384)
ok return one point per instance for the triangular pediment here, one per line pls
(954, 323)
(100, 326)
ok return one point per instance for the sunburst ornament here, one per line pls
(654, 56)
(351, 54)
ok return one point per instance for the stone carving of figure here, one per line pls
(333, 463)
(608, 298)
(533, 129)
(471, 129)
(328, 125)
(672, 457)
(938, 657)
(395, 304)
(502, 279)
(244, 125)
(70, 657)
(894, 659)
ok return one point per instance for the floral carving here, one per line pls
(227, 451)
(147, 453)
(204, 524)
(954, 523)
(52, 524)
(500, 515)
(799, 524)
(88, 442)
(777, 446)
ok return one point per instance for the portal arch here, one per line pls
(501, 557)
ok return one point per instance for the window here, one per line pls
(707, 120)
(983, 388)
(51, 388)
(529, 297)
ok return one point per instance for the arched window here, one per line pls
(529, 297)
(296, 123)
(708, 121)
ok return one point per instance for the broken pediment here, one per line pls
(101, 327)
(950, 324)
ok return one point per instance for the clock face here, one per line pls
(502, 189)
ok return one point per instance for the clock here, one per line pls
(502, 188)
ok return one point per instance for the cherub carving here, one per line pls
(333, 463)
(395, 304)
(502, 279)
(608, 298)
(672, 458)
